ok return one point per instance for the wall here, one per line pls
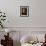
(12, 9)
(37, 13)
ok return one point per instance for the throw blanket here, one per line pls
(27, 44)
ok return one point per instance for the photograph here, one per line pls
(24, 11)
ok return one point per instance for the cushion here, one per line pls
(26, 39)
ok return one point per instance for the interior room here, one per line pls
(22, 22)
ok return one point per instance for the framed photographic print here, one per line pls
(24, 11)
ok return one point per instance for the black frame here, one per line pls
(24, 11)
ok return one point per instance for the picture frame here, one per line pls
(24, 11)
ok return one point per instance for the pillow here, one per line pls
(24, 39)
(28, 39)
(41, 38)
(26, 44)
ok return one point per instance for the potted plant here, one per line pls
(2, 19)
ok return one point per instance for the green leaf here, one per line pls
(3, 19)
(4, 16)
(4, 13)
(0, 12)
(1, 15)
(2, 26)
(0, 21)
